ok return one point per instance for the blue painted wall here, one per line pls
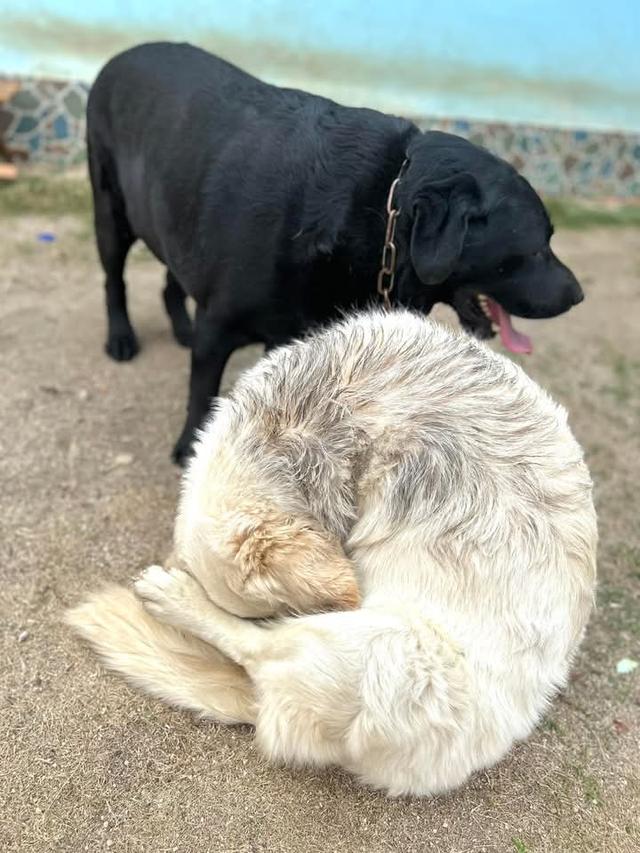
(559, 62)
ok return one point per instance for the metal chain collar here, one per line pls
(387, 274)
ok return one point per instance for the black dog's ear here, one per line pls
(441, 212)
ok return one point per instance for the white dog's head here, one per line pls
(253, 558)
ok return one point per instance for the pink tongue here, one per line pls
(513, 340)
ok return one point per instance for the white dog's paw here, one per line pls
(168, 594)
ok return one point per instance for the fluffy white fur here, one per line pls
(423, 490)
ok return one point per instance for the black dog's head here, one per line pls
(477, 236)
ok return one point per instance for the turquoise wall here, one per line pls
(571, 63)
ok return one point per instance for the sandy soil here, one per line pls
(88, 493)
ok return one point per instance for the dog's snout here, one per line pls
(569, 290)
(577, 295)
(573, 292)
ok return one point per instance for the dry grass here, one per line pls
(87, 764)
(44, 194)
(40, 193)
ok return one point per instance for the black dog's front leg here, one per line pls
(213, 343)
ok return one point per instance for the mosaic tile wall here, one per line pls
(558, 161)
(47, 119)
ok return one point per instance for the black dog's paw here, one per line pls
(122, 346)
(183, 333)
(183, 450)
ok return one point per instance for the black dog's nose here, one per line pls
(578, 295)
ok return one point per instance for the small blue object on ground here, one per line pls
(46, 237)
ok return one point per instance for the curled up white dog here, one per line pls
(425, 503)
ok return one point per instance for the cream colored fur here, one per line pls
(421, 488)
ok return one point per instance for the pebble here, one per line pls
(123, 459)
(626, 665)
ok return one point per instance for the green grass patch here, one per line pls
(630, 557)
(578, 215)
(625, 373)
(620, 608)
(519, 846)
(590, 789)
(549, 725)
(46, 195)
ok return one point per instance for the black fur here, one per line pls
(267, 206)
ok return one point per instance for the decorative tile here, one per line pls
(26, 124)
(25, 100)
(61, 127)
(75, 104)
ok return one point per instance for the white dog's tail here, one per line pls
(162, 660)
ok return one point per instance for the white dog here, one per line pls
(388, 466)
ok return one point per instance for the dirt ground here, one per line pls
(88, 493)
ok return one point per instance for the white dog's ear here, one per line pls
(294, 563)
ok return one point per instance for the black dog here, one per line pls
(267, 206)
